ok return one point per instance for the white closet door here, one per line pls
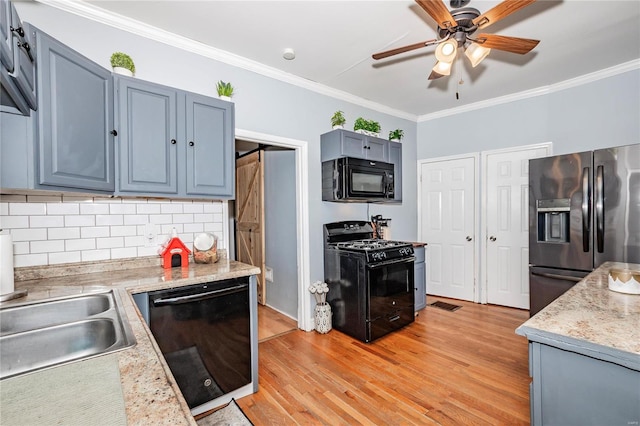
(507, 225)
(447, 224)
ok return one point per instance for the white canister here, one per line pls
(6, 264)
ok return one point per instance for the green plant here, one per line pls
(360, 124)
(396, 134)
(224, 89)
(374, 126)
(338, 119)
(119, 59)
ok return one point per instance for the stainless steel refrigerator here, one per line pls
(584, 209)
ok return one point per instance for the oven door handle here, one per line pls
(198, 296)
(391, 262)
(557, 276)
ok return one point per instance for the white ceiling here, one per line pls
(334, 41)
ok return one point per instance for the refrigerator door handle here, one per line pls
(586, 209)
(557, 276)
(599, 193)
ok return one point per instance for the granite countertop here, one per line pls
(592, 319)
(150, 393)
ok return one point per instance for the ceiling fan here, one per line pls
(455, 29)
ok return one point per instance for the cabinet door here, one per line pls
(74, 119)
(6, 42)
(395, 158)
(147, 137)
(420, 286)
(376, 149)
(353, 145)
(210, 146)
(24, 67)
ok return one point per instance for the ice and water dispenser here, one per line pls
(553, 220)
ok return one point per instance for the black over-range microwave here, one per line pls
(353, 179)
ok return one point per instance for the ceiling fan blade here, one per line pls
(438, 11)
(434, 75)
(508, 44)
(395, 51)
(501, 11)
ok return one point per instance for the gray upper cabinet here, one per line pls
(172, 142)
(147, 133)
(210, 164)
(18, 72)
(75, 118)
(395, 158)
(344, 143)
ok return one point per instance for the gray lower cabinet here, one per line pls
(172, 142)
(65, 144)
(570, 388)
(420, 278)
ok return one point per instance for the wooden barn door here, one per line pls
(250, 214)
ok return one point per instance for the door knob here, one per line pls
(492, 238)
(468, 238)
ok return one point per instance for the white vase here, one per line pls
(338, 126)
(322, 318)
(225, 98)
(123, 71)
(394, 140)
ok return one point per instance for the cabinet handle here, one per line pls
(114, 132)
(18, 31)
(191, 143)
(173, 142)
(468, 238)
(492, 238)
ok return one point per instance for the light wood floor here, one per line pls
(272, 323)
(452, 368)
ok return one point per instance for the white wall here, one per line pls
(598, 114)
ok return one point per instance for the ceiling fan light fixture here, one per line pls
(476, 53)
(446, 51)
(442, 68)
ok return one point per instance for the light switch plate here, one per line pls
(268, 274)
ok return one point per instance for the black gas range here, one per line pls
(371, 281)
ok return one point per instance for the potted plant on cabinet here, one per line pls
(225, 90)
(122, 64)
(338, 120)
(396, 135)
(360, 125)
(367, 127)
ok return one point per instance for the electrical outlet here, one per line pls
(268, 274)
(150, 235)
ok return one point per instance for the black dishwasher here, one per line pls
(203, 331)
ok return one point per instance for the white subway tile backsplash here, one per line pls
(80, 244)
(160, 218)
(63, 233)
(36, 234)
(148, 208)
(27, 209)
(80, 220)
(133, 219)
(65, 257)
(110, 242)
(94, 255)
(94, 208)
(10, 222)
(171, 208)
(56, 229)
(124, 231)
(21, 260)
(122, 208)
(194, 227)
(21, 247)
(122, 253)
(183, 218)
(94, 232)
(46, 221)
(50, 246)
(63, 208)
(109, 220)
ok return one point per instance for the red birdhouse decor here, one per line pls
(175, 253)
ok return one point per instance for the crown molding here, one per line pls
(544, 90)
(124, 23)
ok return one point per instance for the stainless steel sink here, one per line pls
(56, 331)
